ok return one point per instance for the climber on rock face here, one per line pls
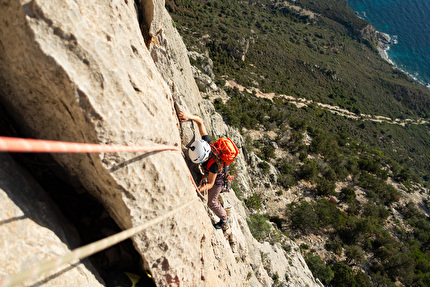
(201, 152)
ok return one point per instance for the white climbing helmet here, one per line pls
(199, 151)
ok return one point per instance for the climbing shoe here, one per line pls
(221, 224)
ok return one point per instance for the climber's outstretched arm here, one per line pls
(185, 117)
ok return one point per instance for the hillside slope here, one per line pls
(340, 160)
(112, 73)
(270, 46)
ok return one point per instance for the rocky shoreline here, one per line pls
(384, 44)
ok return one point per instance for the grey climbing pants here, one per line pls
(213, 195)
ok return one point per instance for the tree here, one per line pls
(302, 216)
(309, 170)
(319, 269)
(343, 276)
(362, 279)
(347, 195)
(325, 187)
(354, 252)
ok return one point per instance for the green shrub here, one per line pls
(398, 263)
(258, 226)
(284, 166)
(309, 170)
(277, 220)
(304, 246)
(319, 269)
(296, 139)
(347, 195)
(330, 174)
(343, 276)
(265, 167)
(328, 214)
(302, 216)
(341, 172)
(248, 144)
(369, 164)
(354, 252)
(420, 224)
(334, 246)
(275, 278)
(286, 180)
(422, 260)
(376, 212)
(254, 201)
(354, 230)
(236, 188)
(325, 187)
(378, 190)
(310, 216)
(267, 152)
(298, 124)
(362, 280)
(303, 156)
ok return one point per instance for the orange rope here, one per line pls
(9, 144)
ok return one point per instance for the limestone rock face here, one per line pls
(207, 64)
(80, 71)
(170, 57)
(112, 72)
(32, 231)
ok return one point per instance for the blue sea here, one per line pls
(408, 24)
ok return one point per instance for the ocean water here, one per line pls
(408, 24)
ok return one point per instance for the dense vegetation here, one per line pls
(291, 54)
(327, 59)
(316, 59)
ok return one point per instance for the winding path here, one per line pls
(301, 102)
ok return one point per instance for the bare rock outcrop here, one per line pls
(80, 71)
(112, 73)
(32, 230)
(369, 33)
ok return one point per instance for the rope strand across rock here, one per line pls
(10, 144)
(84, 251)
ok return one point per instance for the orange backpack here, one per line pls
(225, 151)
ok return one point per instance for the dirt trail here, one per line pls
(301, 102)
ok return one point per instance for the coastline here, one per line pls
(384, 43)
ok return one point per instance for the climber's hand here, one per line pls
(183, 117)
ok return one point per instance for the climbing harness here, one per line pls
(224, 179)
(227, 179)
